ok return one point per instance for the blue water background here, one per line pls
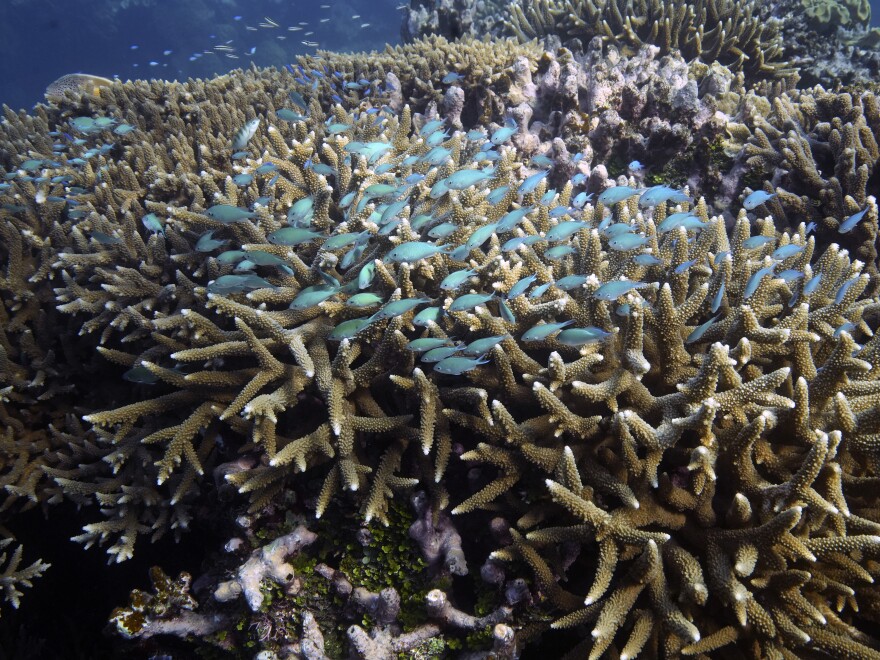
(41, 40)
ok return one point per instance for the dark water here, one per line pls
(41, 40)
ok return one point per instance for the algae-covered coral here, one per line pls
(326, 288)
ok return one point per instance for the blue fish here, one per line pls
(455, 366)
(812, 284)
(647, 260)
(521, 286)
(531, 182)
(577, 337)
(786, 251)
(755, 280)
(847, 225)
(755, 199)
(699, 331)
(611, 291)
(617, 194)
(718, 299)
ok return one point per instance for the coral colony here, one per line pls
(453, 374)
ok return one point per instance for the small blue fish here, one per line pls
(635, 166)
(506, 313)
(463, 179)
(497, 195)
(441, 353)
(208, 243)
(289, 115)
(718, 298)
(617, 194)
(517, 241)
(243, 180)
(812, 284)
(455, 366)
(469, 301)
(105, 239)
(482, 346)
(647, 260)
(757, 198)
(437, 156)
(539, 291)
(266, 168)
(431, 126)
(451, 77)
(682, 267)
(682, 219)
(153, 224)
(502, 135)
(699, 331)
(755, 280)
(312, 296)
(627, 242)
(443, 230)
(427, 316)
(425, 344)
(456, 279)
(414, 251)
(790, 275)
(544, 330)
(521, 286)
(577, 337)
(350, 328)
(847, 225)
(366, 275)
(841, 292)
(656, 195)
(364, 300)
(786, 251)
(757, 241)
(581, 199)
(512, 218)
(226, 284)
(613, 290)
(140, 375)
(531, 182)
(226, 213)
(559, 252)
(480, 236)
(399, 307)
(570, 282)
(292, 236)
(564, 230)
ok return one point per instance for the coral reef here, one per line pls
(739, 35)
(818, 150)
(301, 295)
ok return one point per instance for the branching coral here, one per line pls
(821, 151)
(736, 34)
(680, 405)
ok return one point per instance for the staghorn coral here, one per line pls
(14, 576)
(736, 34)
(700, 439)
(820, 151)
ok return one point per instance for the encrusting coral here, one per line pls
(679, 406)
